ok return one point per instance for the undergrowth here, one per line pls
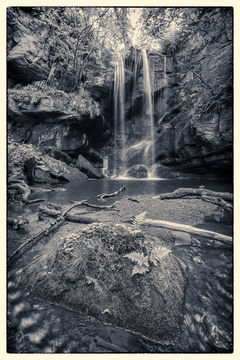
(79, 102)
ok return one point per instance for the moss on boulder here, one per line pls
(117, 275)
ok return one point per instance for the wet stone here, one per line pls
(14, 297)
(198, 260)
(19, 309)
(217, 332)
(181, 238)
(30, 321)
(38, 336)
(11, 285)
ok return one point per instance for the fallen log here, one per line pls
(30, 242)
(46, 211)
(82, 219)
(102, 207)
(59, 221)
(115, 193)
(56, 212)
(218, 201)
(191, 192)
(141, 220)
(21, 188)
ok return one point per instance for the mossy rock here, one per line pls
(116, 274)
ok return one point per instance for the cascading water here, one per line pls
(136, 62)
(163, 108)
(165, 82)
(105, 166)
(148, 113)
(142, 126)
(119, 118)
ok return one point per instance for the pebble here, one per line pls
(14, 297)
(11, 285)
(181, 238)
(198, 260)
(38, 336)
(197, 318)
(28, 322)
(49, 350)
(18, 308)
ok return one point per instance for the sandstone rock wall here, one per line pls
(196, 132)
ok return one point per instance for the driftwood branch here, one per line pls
(56, 212)
(133, 200)
(115, 193)
(102, 207)
(29, 202)
(195, 193)
(227, 206)
(22, 189)
(29, 243)
(141, 220)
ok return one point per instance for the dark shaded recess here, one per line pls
(98, 131)
(216, 166)
(16, 76)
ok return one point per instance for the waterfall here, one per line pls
(165, 82)
(119, 118)
(136, 146)
(105, 165)
(163, 108)
(134, 82)
(148, 113)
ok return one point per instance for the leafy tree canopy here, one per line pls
(78, 38)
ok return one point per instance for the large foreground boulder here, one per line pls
(115, 274)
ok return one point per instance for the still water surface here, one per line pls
(90, 189)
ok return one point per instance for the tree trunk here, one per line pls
(218, 201)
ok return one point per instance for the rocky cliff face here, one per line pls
(42, 112)
(195, 133)
(192, 99)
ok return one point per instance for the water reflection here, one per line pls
(77, 191)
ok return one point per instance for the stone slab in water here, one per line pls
(138, 171)
(117, 275)
(182, 238)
